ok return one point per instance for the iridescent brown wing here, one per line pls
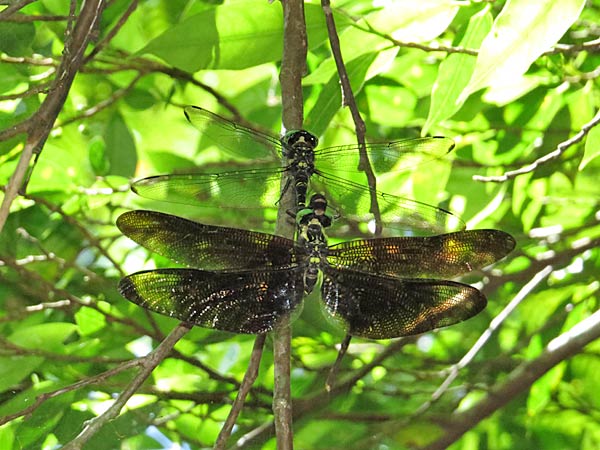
(382, 307)
(204, 246)
(249, 302)
(446, 255)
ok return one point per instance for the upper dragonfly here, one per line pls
(310, 169)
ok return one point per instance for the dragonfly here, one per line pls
(244, 281)
(361, 209)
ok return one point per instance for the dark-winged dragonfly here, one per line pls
(246, 282)
(310, 169)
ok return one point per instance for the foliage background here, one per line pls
(66, 332)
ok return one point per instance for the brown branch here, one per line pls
(93, 241)
(113, 32)
(359, 124)
(293, 66)
(101, 105)
(487, 334)
(520, 380)
(86, 382)
(244, 389)
(40, 124)
(49, 287)
(42, 88)
(14, 7)
(320, 399)
(24, 18)
(147, 366)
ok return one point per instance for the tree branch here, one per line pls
(148, 365)
(40, 124)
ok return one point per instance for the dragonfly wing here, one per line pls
(381, 307)
(233, 138)
(249, 302)
(242, 189)
(446, 255)
(205, 246)
(397, 156)
(352, 202)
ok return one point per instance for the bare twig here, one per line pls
(559, 349)
(113, 32)
(292, 68)
(349, 100)
(73, 387)
(244, 389)
(148, 365)
(14, 7)
(40, 125)
(487, 334)
(23, 18)
(560, 149)
(103, 104)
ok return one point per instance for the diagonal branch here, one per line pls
(149, 364)
(40, 124)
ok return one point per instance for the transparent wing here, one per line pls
(398, 216)
(396, 156)
(233, 138)
(243, 189)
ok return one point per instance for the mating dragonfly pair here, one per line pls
(246, 282)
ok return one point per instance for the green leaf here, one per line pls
(330, 99)
(47, 336)
(592, 147)
(89, 321)
(97, 155)
(13, 369)
(232, 36)
(120, 147)
(16, 38)
(521, 33)
(455, 72)
(410, 21)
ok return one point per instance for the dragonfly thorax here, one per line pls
(315, 242)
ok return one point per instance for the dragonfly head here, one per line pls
(300, 138)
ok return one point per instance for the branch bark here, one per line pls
(40, 124)
(292, 68)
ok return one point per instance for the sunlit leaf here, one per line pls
(520, 34)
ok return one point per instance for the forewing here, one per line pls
(233, 138)
(249, 302)
(380, 307)
(396, 156)
(446, 255)
(205, 246)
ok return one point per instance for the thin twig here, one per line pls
(113, 32)
(244, 389)
(560, 149)
(292, 68)
(14, 7)
(148, 365)
(359, 124)
(73, 387)
(520, 380)
(40, 124)
(486, 335)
